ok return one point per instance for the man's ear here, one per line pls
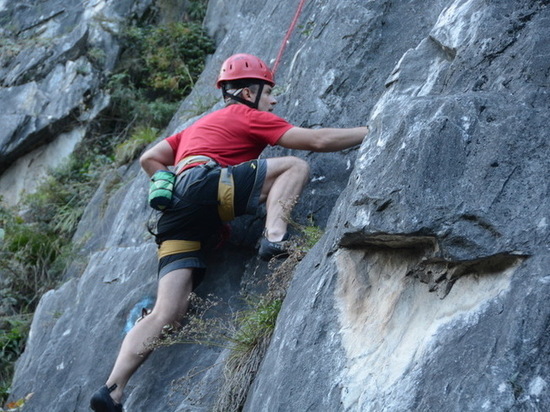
(248, 95)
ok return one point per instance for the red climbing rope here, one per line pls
(287, 35)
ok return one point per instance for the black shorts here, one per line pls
(193, 216)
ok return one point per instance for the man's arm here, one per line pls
(158, 157)
(322, 140)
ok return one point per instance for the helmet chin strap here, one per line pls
(239, 99)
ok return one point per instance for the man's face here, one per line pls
(267, 100)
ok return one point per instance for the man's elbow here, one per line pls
(147, 162)
(313, 140)
(144, 159)
(320, 144)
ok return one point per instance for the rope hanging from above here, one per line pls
(287, 35)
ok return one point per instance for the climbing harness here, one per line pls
(226, 184)
(191, 161)
(173, 247)
(226, 196)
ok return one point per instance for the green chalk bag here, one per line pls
(160, 189)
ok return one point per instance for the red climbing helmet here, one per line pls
(244, 66)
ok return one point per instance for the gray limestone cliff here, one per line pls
(55, 58)
(429, 290)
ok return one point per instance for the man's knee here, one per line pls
(301, 166)
(289, 169)
(166, 315)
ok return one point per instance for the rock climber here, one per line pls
(217, 176)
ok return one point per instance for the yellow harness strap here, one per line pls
(226, 187)
(226, 196)
(172, 247)
(189, 160)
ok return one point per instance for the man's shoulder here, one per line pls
(236, 110)
(241, 112)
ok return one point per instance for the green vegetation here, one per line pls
(131, 148)
(35, 244)
(13, 334)
(197, 10)
(307, 28)
(310, 234)
(254, 325)
(158, 68)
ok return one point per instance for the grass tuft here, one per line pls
(130, 149)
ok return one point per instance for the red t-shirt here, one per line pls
(232, 135)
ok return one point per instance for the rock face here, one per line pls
(428, 290)
(54, 58)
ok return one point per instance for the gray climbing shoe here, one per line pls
(270, 250)
(102, 402)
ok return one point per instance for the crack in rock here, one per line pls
(440, 275)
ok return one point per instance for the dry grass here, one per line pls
(245, 359)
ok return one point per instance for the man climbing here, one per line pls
(219, 176)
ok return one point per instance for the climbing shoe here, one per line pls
(269, 249)
(102, 402)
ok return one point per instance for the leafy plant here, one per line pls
(97, 56)
(158, 68)
(254, 326)
(197, 10)
(25, 255)
(35, 244)
(128, 150)
(174, 56)
(307, 28)
(13, 335)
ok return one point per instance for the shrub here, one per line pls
(197, 10)
(158, 68)
(254, 323)
(35, 248)
(13, 335)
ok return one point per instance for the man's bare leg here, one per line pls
(171, 304)
(284, 182)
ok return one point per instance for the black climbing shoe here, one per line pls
(269, 249)
(102, 402)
